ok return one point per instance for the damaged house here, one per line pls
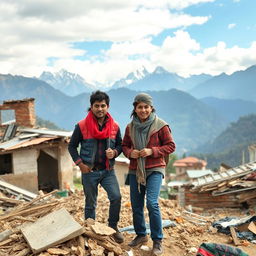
(231, 188)
(30, 158)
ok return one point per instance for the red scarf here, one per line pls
(91, 123)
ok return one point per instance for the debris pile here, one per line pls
(95, 238)
(235, 187)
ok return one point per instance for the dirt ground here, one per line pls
(186, 237)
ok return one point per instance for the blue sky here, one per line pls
(104, 40)
(231, 21)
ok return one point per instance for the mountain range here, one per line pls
(159, 80)
(239, 85)
(195, 115)
(191, 121)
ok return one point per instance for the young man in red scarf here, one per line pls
(100, 140)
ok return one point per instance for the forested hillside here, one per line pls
(231, 146)
(47, 124)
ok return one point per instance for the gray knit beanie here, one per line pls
(144, 97)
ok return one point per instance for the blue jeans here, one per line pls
(151, 191)
(107, 179)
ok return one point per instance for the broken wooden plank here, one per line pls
(27, 195)
(24, 252)
(10, 200)
(40, 197)
(27, 211)
(81, 244)
(5, 234)
(7, 241)
(234, 236)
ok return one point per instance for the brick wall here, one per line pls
(207, 200)
(24, 111)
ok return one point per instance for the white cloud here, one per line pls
(232, 25)
(34, 31)
(38, 22)
(214, 60)
(179, 53)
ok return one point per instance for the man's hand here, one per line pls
(146, 152)
(84, 168)
(135, 154)
(110, 153)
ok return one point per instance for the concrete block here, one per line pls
(52, 229)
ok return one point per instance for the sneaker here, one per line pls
(138, 241)
(157, 247)
(118, 237)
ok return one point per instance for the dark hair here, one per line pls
(134, 107)
(99, 96)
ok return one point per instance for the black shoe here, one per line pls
(138, 241)
(157, 247)
(118, 237)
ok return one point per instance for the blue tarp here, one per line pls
(165, 223)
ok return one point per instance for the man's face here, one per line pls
(100, 109)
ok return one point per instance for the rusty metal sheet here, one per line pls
(32, 142)
(10, 143)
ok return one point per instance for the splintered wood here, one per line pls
(45, 226)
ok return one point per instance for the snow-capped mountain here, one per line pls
(131, 78)
(69, 83)
(159, 80)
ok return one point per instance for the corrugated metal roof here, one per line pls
(225, 175)
(198, 173)
(47, 132)
(27, 137)
(12, 142)
(34, 141)
(176, 183)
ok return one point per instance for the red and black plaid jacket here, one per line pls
(160, 142)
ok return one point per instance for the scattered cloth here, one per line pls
(223, 226)
(212, 249)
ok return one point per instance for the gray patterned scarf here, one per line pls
(140, 132)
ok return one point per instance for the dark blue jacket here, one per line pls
(92, 151)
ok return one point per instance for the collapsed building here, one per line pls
(32, 158)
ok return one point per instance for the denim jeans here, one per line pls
(151, 191)
(107, 179)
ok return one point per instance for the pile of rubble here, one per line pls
(94, 237)
(232, 188)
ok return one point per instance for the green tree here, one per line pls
(47, 124)
(170, 168)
